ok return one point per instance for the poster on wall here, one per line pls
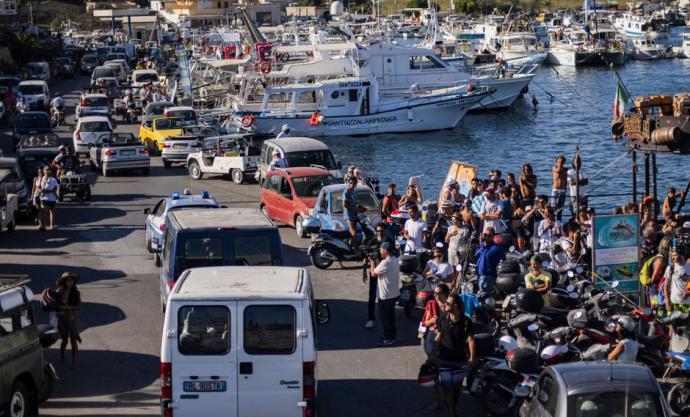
(616, 255)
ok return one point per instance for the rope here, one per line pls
(609, 165)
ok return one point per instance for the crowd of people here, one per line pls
(493, 210)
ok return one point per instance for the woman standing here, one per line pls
(410, 198)
(49, 186)
(456, 236)
(67, 314)
(36, 197)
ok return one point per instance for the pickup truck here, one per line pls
(153, 133)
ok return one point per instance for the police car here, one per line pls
(156, 216)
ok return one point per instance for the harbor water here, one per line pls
(575, 108)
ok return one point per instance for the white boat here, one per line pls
(644, 49)
(636, 25)
(514, 45)
(572, 47)
(683, 51)
(349, 106)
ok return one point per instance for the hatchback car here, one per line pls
(288, 195)
(88, 130)
(329, 206)
(88, 63)
(30, 123)
(156, 216)
(119, 152)
(187, 114)
(595, 389)
(93, 103)
(101, 72)
(37, 150)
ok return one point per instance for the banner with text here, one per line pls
(616, 251)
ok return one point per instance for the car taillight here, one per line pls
(196, 145)
(162, 227)
(83, 103)
(109, 153)
(309, 384)
(77, 136)
(166, 145)
(172, 283)
(166, 389)
(143, 150)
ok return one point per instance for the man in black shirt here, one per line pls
(453, 339)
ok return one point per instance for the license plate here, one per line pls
(204, 386)
(180, 146)
(127, 153)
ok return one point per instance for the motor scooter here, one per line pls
(329, 246)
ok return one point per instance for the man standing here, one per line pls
(677, 295)
(388, 291)
(415, 230)
(381, 237)
(390, 201)
(488, 256)
(443, 222)
(350, 203)
(491, 212)
(558, 191)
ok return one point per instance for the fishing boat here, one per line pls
(574, 47)
(683, 51)
(644, 49)
(635, 25)
(350, 106)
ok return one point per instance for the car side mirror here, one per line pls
(147, 211)
(154, 245)
(323, 312)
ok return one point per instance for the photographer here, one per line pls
(388, 290)
(381, 236)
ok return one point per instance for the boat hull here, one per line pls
(574, 58)
(507, 90)
(445, 114)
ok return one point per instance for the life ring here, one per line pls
(438, 49)
(247, 121)
(265, 67)
(315, 119)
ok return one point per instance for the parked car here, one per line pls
(329, 206)
(595, 389)
(298, 152)
(232, 155)
(88, 63)
(27, 378)
(30, 123)
(93, 103)
(176, 148)
(35, 93)
(101, 72)
(9, 202)
(155, 217)
(16, 182)
(288, 195)
(143, 77)
(88, 130)
(37, 150)
(119, 152)
(224, 236)
(154, 133)
(258, 324)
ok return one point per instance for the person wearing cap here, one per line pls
(277, 161)
(382, 236)
(451, 193)
(538, 279)
(69, 301)
(387, 273)
(284, 132)
(491, 212)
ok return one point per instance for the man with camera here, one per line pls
(387, 272)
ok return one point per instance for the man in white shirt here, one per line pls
(415, 230)
(549, 231)
(387, 291)
(572, 177)
(491, 213)
(677, 275)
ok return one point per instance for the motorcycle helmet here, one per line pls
(588, 409)
(506, 344)
(427, 375)
(490, 303)
(626, 323)
(552, 353)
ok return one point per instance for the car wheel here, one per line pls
(496, 396)
(20, 401)
(678, 398)
(298, 227)
(167, 163)
(237, 176)
(195, 171)
(264, 211)
(104, 171)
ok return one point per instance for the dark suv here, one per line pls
(25, 379)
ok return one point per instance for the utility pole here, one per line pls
(31, 14)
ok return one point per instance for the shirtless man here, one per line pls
(559, 184)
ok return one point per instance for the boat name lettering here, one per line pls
(356, 122)
(350, 84)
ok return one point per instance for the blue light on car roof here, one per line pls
(204, 194)
(176, 196)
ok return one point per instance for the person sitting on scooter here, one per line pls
(437, 267)
(627, 347)
(57, 104)
(350, 204)
(538, 279)
(21, 105)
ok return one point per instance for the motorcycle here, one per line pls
(131, 115)
(329, 246)
(58, 117)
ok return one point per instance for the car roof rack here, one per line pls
(8, 282)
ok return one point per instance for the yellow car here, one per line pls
(153, 133)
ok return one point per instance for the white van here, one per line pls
(241, 341)
(298, 152)
(142, 77)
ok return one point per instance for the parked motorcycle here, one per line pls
(329, 246)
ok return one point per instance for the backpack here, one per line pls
(647, 270)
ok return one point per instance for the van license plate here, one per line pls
(204, 386)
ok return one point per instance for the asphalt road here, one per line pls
(118, 371)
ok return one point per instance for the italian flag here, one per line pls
(622, 98)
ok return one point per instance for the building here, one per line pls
(313, 12)
(213, 12)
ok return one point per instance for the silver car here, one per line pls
(176, 148)
(119, 152)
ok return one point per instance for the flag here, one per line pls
(622, 98)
